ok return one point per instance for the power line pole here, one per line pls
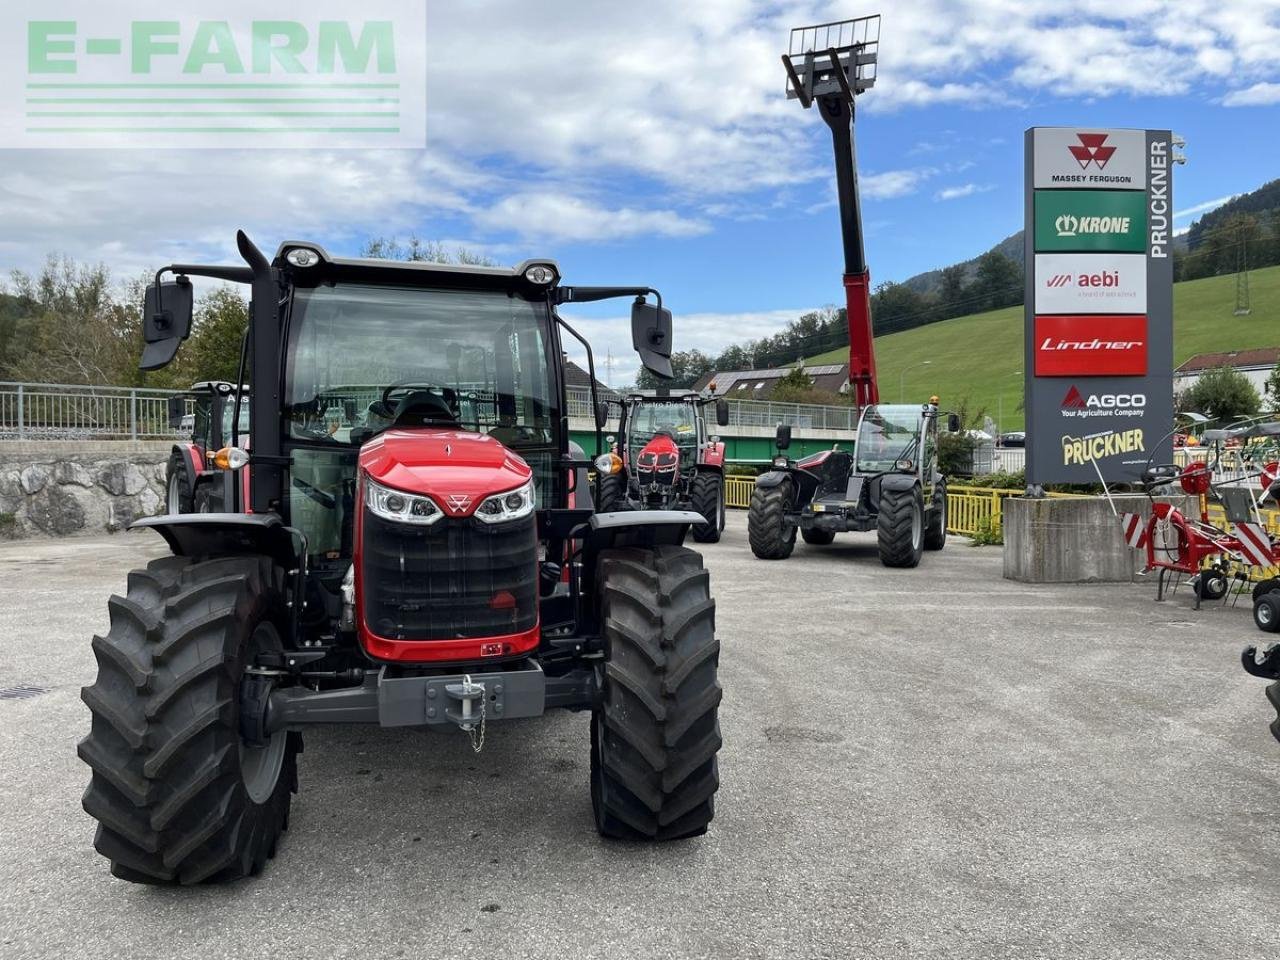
(608, 368)
(1242, 274)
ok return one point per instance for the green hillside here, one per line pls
(978, 357)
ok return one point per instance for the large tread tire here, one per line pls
(167, 787)
(1265, 586)
(900, 528)
(655, 737)
(179, 486)
(1266, 613)
(611, 493)
(816, 537)
(1273, 695)
(770, 536)
(935, 524)
(707, 496)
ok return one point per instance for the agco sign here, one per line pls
(1100, 405)
(1090, 346)
(1091, 283)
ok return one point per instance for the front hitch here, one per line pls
(1267, 666)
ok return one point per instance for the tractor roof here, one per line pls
(409, 272)
(674, 395)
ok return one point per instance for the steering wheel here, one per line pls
(428, 400)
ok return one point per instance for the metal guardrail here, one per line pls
(60, 411)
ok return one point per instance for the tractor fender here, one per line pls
(204, 535)
(712, 456)
(639, 528)
(772, 478)
(899, 481)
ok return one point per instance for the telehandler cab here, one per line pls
(415, 547)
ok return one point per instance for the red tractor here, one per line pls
(664, 459)
(195, 482)
(415, 546)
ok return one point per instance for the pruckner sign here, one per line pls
(1099, 303)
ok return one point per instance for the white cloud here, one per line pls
(1259, 95)
(894, 183)
(562, 217)
(1203, 207)
(964, 190)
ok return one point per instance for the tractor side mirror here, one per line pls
(602, 414)
(953, 423)
(782, 440)
(166, 321)
(651, 337)
(177, 410)
(722, 413)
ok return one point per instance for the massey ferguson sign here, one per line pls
(1092, 159)
(1099, 303)
(1091, 283)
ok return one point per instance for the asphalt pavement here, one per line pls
(917, 763)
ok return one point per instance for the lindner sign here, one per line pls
(1099, 303)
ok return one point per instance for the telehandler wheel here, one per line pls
(819, 538)
(900, 527)
(935, 526)
(178, 494)
(1266, 613)
(708, 499)
(178, 795)
(770, 536)
(655, 736)
(611, 493)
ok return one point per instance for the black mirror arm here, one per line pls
(213, 271)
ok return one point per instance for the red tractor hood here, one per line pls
(457, 469)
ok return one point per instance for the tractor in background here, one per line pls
(194, 481)
(415, 547)
(663, 459)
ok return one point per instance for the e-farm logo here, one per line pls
(261, 74)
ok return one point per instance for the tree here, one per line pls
(1272, 390)
(1224, 394)
(687, 365)
(895, 306)
(213, 352)
(999, 282)
(952, 291)
(417, 250)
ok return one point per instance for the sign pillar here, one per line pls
(1099, 303)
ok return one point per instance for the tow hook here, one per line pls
(1268, 667)
(467, 717)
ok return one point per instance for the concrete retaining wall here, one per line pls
(58, 488)
(1073, 540)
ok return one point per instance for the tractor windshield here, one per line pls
(886, 435)
(485, 353)
(647, 419)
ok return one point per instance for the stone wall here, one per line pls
(58, 488)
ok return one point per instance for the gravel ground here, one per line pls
(927, 763)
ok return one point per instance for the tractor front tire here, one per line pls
(819, 538)
(771, 537)
(707, 496)
(655, 736)
(611, 493)
(178, 795)
(179, 495)
(900, 527)
(935, 525)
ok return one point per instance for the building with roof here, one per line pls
(575, 376)
(759, 384)
(1256, 365)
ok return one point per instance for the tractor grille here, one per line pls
(458, 579)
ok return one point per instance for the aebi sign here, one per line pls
(1091, 283)
(1090, 346)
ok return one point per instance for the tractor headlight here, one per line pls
(780, 462)
(398, 506)
(540, 274)
(512, 505)
(906, 466)
(302, 257)
(230, 458)
(608, 463)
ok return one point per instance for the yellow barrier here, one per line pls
(737, 491)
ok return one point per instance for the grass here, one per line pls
(979, 357)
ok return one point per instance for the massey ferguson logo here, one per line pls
(1077, 404)
(1092, 149)
(458, 502)
(1069, 225)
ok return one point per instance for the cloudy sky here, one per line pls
(651, 143)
